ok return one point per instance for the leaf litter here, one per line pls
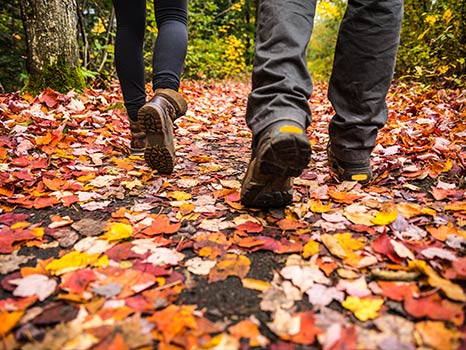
(136, 260)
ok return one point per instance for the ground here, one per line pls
(99, 252)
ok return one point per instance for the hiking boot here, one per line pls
(138, 138)
(349, 171)
(156, 119)
(279, 153)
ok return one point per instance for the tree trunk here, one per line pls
(52, 45)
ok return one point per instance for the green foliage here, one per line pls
(96, 38)
(324, 36)
(13, 47)
(433, 42)
(221, 41)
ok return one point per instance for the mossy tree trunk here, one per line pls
(52, 45)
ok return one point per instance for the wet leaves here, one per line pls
(99, 252)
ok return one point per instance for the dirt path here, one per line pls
(98, 252)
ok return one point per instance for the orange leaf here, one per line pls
(118, 343)
(248, 330)
(44, 140)
(397, 291)
(307, 331)
(8, 320)
(344, 197)
(434, 334)
(7, 192)
(44, 202)
(174, 320)
(160, 225)
(232, 265)
(456, 206)
(290, 225)
(442, 232)
(54, 184)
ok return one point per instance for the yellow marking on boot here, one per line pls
(291, 129)
(359, 177)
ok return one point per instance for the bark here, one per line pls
(52, 46)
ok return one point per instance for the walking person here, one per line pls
(278, 110)
(152, 122)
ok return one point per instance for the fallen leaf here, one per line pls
(385, 217)
(161, 224)
(435, 335)
(434, 308)
(252, 283)
(248, 329)
(39, 285)
(363, 308)
(118, 231)
(8, 320)
(451, 290)
(231, 265)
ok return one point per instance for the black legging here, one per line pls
(168, 54)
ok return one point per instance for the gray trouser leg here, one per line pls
(362, 72)
(281, 85)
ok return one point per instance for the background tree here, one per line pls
(221, 41)
(52, 49)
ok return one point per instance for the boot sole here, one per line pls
(159, 152)
(267, 181)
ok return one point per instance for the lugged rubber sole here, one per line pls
(268, 180)
(160, 149)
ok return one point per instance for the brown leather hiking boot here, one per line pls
(138, 138)
(156, 119)
(280, 152)
(349, 171)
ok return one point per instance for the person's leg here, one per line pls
(281, 85)
(362, 72)
(278, 110)
(129, 61)
(171, 44)
(157, 116)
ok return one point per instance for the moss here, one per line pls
(58, 76)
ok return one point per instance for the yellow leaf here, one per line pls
(385, 217)
(431, 19)
(348, 243)
(310, 248)
(179, 195)
(20, 224)
(251, 283)
(209, 168)
(448, 165)
(38, 231)
(332, 245)
(74, 261)
(317, 206)
(118, 231)
(409, 210)
(363, 308)
(447, 15)
(451, 290)
(131, 184)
